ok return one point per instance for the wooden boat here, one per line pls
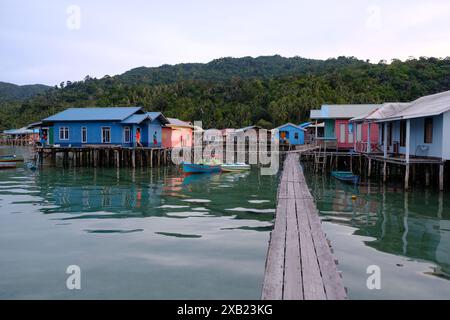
(11, 158)
(200, 168)
(8, 165)
(235, 167)
(345, 176)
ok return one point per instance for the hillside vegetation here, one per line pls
(235, 92)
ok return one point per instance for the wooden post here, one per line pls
(116, 153)
(408, 134)
(95, 157)
(385, 141)
(369, 170)
(427, 175)
(369, 147)
(441, 177)
(407, 177)
(384, 171)
(133, 158)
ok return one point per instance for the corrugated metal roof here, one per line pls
(386, 110)
(423, 107)
(178, 123)
(136, 119)
(342, 111)
(289, 124)
(93, 114)
(154, 115)
(23, 130)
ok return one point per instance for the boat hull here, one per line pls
(11, 158)
(345, 176)
(234, 167)
(7, 165)
(200, 168)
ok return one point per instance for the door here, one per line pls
(342, 133)
(50, 136)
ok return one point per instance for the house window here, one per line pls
(428, 132)
(63, 133)
(127, 135)
(402, 133)
(83, 135)
(106, 135)
(296, 136)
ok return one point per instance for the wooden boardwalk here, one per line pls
(299, 263)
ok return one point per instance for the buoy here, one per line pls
(353, 197)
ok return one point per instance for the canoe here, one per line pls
(235, 167)
(200, 168)
(7, 165)
(11, 158)
(345, 176)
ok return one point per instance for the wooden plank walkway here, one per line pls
(299, 263)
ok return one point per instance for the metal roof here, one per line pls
(386, 110)
(136, 119)
(426, 106)
(342, 111)
(94, 114)
(23, 130)
(178, 123)
(290, 124)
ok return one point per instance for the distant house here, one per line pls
(338, 131)
(417, 129)
(290, 133)
(177, 134)
(121, 126)
(23, 135)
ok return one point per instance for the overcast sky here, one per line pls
(49, 41)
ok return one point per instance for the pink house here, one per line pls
(177, 134)
(340, 132)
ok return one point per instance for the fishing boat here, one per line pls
(346, 176)
(200, 168)
(11, 158)
(7, 165)
(234, 167)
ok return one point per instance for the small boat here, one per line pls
(346, 176)
(7, 165)
(235, 167)
(11, 158)
(200, 168)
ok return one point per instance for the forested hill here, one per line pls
(235, 92)
(12, 92)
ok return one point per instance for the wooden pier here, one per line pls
(299, 265)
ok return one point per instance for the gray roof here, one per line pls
(384, 111)
(342, 111)
(178, 123)
(426, 106)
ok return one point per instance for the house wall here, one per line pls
(417, 145)
(171, 137)
(446, 135)
(290, 132)
(94, 133)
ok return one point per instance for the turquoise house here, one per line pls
(114, 126)
(291, 134)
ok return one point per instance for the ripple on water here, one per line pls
(240, 209)
(258, 201)
(197, 200)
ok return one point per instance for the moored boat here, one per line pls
(200, 168)
(8, 165)
(345, 176)
(11, 158)
(235, 167)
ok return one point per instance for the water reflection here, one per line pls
(415, 224)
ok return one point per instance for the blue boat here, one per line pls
(200, 168)
(346, 176)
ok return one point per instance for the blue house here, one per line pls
(291, 134)
(117, 126)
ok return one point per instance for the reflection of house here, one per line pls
(127, 126)
(290, 133)
(177, 134)
(338, 129)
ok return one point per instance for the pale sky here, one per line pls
(45, 42)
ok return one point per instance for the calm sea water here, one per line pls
(150, 234)
(155, 234)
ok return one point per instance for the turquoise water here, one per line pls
(407, 235)
(155, 234)
(150, 234)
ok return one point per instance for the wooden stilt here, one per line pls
(441, 177)
(407, 177)
(133, 158)
(384, 171)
